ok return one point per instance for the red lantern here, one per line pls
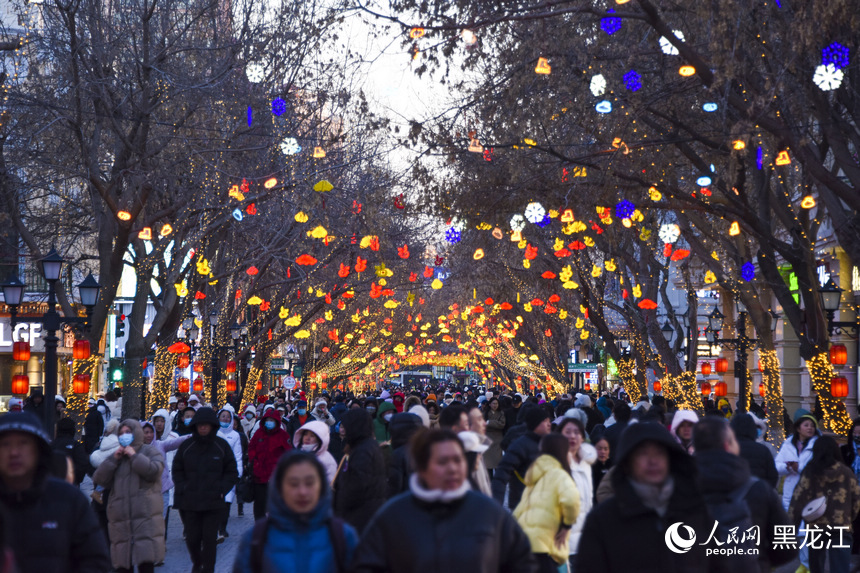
(587, 387)
(658, 387)
(20, 384)
(231, 367)
(313, 386)
(21, 350)
(259, 386)
(324, 385)
(838, 355)
(532, 387)
(183, 360)
(81, 384)
(231, 385)
(720, 389)
(706, 389)
(721, 365)
(81, 350)
(199, 366)
(183, 385)
(198, 384)
(761, 389)
(706, 368)
(839, 387)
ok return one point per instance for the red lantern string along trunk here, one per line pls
(706, 369)
(722, 365)
(182, 385)
(720, 389)
(198, 367)
(230, 367)
(838, 355)
(706, 389)
(81, 384)
(198, 384)
(20, 384)
(21, 351)
(839, 387)
(761, 389)
(183, 361)
(81, 350)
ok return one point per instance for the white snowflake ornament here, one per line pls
(669, 232)
(828, 77)
(598, 85)
(535, 213)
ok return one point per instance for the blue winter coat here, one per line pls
(294, 542)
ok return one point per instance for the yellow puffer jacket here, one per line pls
(550, 500)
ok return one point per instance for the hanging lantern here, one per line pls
(313, 386)
(839, 387)
(81, 384)
(721, 365)
(231, 367)
(259, 386)
(721, 389)
(758, 365)
(198, 367)
(324, 385)
(183, 360)
(198, 384)
(706, 389)
(21, 351)
(838, 355)
(706, 368)
(182, 385)
(81, 350)
(20, 384)
(231, 385)
(658, 387)
(761, 389)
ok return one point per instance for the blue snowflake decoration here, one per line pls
(452, 235)
(279, 106)
(632, 81)
(624, 209)
(747, 271)
(544, 222)
(835, 54)
(759, 158)
(610, 24)
(250, 115)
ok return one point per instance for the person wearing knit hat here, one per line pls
(519, 456)
(17, 404)
(430, 398)
(321, 413)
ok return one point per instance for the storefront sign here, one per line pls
(24, 331)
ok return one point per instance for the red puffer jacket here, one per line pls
(267, 446)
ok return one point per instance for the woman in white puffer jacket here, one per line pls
(582, 455)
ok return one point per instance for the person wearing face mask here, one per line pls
(383, 417)
(320, 413)
(371, 406)
(135, 522)
(754, 452)
(267, 445)
(248, 419)
(183, 421)
(231, 436)
(299, 418)
(314, 437)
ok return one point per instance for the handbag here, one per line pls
(245, 487)
(814, 509)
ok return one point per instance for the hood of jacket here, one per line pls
(383, 408)
(286, 519)
(540, 467)
(161, 413)
(680, 463)
(682, 416)
(232, 418)
(205, 415)
(720, 472)
(587, 453)
(136, 432)
(358, 426)
(270, 413)
(28, 423)
(744, 426)
(319, 428)
(403, 427)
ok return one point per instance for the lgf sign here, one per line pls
(24, 331)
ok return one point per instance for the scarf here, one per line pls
(436, 495)
(655, 497)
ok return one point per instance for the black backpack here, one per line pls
(335, 531)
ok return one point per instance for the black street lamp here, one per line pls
(831, 298)
(51, 321)
(742, 345)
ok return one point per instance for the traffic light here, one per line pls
(120, 326)
(117, 371)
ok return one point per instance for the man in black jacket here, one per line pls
(402, 427)
(204, 471)
(622, 414)
(360, 485)
(51, 526)
(757, 455)
(94, 427)
(66, 444)
(517, 459)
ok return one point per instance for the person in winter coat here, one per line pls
(519, 456)
(852, 460)
(225, 420)
(583, 402)
(204, 471)
(66, 444)
(339, 408)
(582, 455)
(248, 419)
(622, 415)
(601, 466)
(165, 446)
(826, 475)
(550, 504)
(495, 431)
(654, 482)
(134, 510)
(796, 452)
(265, 448)
(440, 524)
(320, 413)
(380, 423)
(52, 526)
(182, 422)
(682, 429)
(756, 454)
(94, 428)
(299, 531)
(314, 438)
(360, 484)
(403, 427)
(299, 418)
(729, 487)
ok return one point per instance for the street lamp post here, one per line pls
(13, 292)
(831, 298)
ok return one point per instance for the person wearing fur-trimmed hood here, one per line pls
(314, 437)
